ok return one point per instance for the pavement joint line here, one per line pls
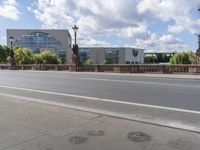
(26, 141)
(104, 100)
(158, 122)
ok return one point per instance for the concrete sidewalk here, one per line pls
(28, 125)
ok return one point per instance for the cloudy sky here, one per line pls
(155, 25)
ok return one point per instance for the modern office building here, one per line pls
(59, 42)
(113, 55)
(38, 40)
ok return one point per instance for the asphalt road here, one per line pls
(175, 93)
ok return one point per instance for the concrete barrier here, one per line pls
(136, 68)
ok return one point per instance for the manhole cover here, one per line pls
(96, 133)
(138, 137)
(78, 140)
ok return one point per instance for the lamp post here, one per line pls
(12, 59)
(75, 29)
(75, 55)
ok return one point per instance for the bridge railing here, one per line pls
(136, 68)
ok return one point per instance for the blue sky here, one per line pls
(155, 25)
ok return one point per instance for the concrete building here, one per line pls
(114, 55)
(59, 42)
(38, 40)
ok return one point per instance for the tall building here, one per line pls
(38, 40)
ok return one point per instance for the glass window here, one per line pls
(84, 54)
(40, 40)
(112, 56)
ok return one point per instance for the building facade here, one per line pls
(59, 42)
(113, 55)
(38, 40)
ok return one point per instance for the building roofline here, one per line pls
(109, 47)
(42, 29)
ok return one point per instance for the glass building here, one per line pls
(56, 41)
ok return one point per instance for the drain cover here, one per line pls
(78, 140)
(138, 137)
(96, 133)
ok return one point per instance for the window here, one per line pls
(112, 56)
(39, 40)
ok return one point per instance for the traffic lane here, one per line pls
(64, 75)
(170, 96)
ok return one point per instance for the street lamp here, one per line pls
(12, 60)
(75, 55)
(75, 29)
(11, 46)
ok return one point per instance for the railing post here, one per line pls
(162, 69)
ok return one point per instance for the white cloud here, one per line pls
(175, 28)
(124, 18)
(163, 43)
(169, 39)
(176, 10)
(8, 9)
(140, 32)
(93, 42)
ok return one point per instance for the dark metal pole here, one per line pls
(11, 50)
(75, 38)
(12, 60)
(97, 57)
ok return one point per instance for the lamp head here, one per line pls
(75, 29)
(11, 39)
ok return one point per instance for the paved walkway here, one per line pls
(33, 126)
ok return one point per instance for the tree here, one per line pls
(157, 58)
(23, 56)
(150, 59)
(183, 58)
(48, 57)
(89, 62)
(4, 54)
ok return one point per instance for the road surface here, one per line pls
(167, 92)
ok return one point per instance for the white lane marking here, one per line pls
(139, 82)
(103, 100)
(165, 123)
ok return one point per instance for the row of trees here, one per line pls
(157, 58)
(25, 56)
(4, 53)
(183, 58)
(177, 58)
